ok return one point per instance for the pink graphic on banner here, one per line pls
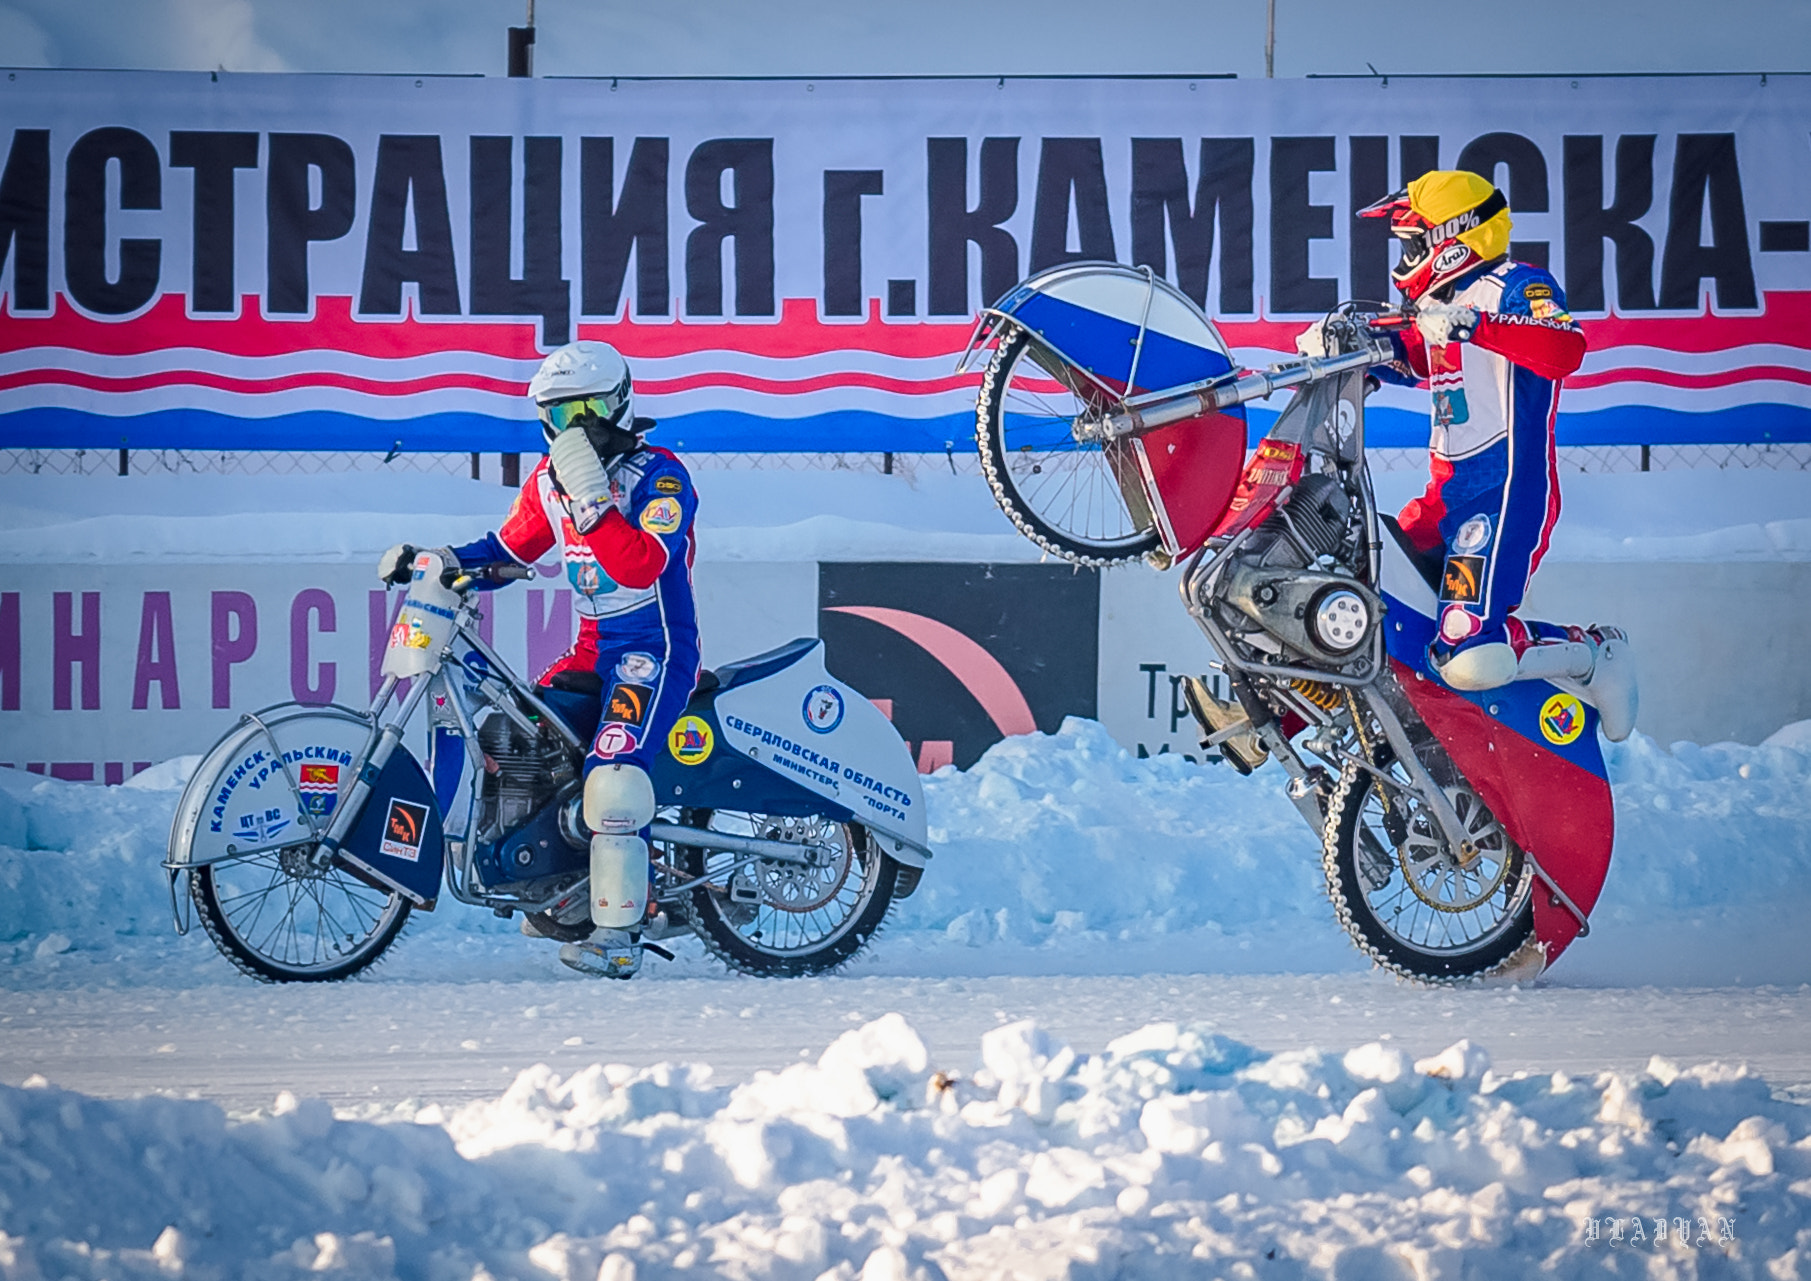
(980, 672)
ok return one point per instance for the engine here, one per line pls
(1292, 582)
(528, 821)
(529, 770)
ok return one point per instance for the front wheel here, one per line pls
(281, 919)
(1408, 901)
(787, 919)
(1063, 494)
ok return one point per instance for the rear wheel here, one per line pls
(281, 919)
(1063, 494)
(784, 919)
(1408, 900)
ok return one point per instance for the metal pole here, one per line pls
(521, 46)
(1270, 38)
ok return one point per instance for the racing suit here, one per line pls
(633, 666)
(1493, 494)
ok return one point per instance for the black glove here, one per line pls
(397, 565)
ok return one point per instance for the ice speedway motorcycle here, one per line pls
(1464, 835)
(791, 814)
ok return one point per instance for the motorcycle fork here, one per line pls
(1431, 793)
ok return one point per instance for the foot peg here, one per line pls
(1224, 725)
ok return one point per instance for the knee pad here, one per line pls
(619, 799)
(1480, 667)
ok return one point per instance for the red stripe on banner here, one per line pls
(1673, 378)
(798, 331)
(166, 324)
(260, 386)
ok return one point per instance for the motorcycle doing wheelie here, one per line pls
(1463, 834)
(790, 812)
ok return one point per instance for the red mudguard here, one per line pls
(1552, 797)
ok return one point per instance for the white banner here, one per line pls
(271, 261)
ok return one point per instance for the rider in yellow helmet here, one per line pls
(1492, 338)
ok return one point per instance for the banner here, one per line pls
(249, 262)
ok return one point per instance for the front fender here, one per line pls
(276, 780)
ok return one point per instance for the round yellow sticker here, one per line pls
(1562, 719)
(691, 741)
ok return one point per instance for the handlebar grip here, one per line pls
(510, 573)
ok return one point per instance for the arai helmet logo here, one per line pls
(823, 709)
(1450, 258)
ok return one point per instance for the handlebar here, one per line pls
(1159, 409)
(460, 580)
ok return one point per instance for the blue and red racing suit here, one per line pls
(1493, 495)
(627, 677)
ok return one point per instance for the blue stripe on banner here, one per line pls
(846, 430)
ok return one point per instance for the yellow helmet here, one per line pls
(1449, 221)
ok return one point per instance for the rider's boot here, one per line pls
(1242, 749)
(1595, 664)
(619, 803)
(611, 954)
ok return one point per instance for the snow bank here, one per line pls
(1176, 1153)
(1064, 853)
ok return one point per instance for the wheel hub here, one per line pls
(1448, 880)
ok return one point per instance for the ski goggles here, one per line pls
(561, 414)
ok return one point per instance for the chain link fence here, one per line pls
(961, 462)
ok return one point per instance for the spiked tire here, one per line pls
(1500, 949)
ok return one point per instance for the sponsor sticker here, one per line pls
(399, 634)
(1537, 291)
(404, 828)
(823, 709)
(1562, 719)
(1463, 579)
(614, 739)
(691, 741)
(320, 787)
(261, 825)
(668, 485)
(637, 667)
(628, 704)
(418, 635)
(662, 516)
(1472, 535)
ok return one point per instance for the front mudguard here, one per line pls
(276, 780)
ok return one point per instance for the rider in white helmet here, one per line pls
(620, 512)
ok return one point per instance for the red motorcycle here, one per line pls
(1464, 835)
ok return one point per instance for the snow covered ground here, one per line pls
(1241, 1099)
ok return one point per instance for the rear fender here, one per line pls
(782, 735)
(1531, 751)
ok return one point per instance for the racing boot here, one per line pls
(1610, 685)
(1242, 749)
(610, 954)
(1595, 664)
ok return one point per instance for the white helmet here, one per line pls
(584, 384)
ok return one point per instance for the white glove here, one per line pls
(1442, 323)
(396, 565)
(1312, 341)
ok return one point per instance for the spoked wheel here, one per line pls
(1408, 899)
(281, 919)
(1063, 494)
(782, 919)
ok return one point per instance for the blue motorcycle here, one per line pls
(791, 813)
